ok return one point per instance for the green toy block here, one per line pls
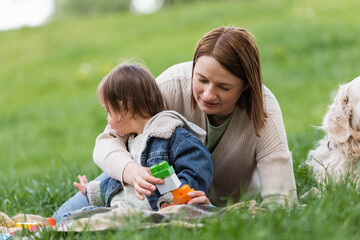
(162, 170)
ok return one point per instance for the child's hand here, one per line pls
(140, 177)
(82, 185)
(198, 198)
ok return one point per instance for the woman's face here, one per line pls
(216, 91)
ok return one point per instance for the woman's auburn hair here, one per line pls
(132, 89)
(236, 51)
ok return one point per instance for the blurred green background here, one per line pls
(49, 114)
(50, 117)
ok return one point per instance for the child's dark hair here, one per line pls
(132, 89)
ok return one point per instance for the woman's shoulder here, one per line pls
(177, 71)
(175, 85)
(274, 126)
(270, 101)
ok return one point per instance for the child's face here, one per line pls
(121, 123)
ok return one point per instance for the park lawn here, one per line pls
(50, 117)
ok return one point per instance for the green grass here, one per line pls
(50, 117)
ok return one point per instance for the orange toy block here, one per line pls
(51, 221)
(181, 195)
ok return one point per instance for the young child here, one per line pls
(135, 108)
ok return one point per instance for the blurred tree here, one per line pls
(90, 7)
(93, 7)
(173, 2)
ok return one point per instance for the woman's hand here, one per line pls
(198, 198)
(140, 177)
(82, 185)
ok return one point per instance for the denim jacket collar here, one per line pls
(163, 125)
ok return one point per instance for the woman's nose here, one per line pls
(209, 94)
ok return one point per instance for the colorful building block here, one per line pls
(181, 195)
(162, 170)
(170, 183)
(51, 221)
(29, 225)
(33, 226)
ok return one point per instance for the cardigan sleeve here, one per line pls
(274, 161)
(110, 153)
(171, 86)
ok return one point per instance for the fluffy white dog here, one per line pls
(338, 153)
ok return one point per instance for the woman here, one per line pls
(221, 90)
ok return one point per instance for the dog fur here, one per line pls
(338, 153)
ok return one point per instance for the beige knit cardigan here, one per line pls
(243, 162)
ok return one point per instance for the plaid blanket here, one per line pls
(100, 219)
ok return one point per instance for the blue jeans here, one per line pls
(76, 202)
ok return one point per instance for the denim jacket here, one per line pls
(174, 141)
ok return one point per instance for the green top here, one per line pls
(214, 133)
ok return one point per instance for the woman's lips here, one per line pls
(208, 103)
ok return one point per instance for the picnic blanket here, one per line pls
(100, 219)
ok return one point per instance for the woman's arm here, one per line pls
(274, 161)
(111, 155)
